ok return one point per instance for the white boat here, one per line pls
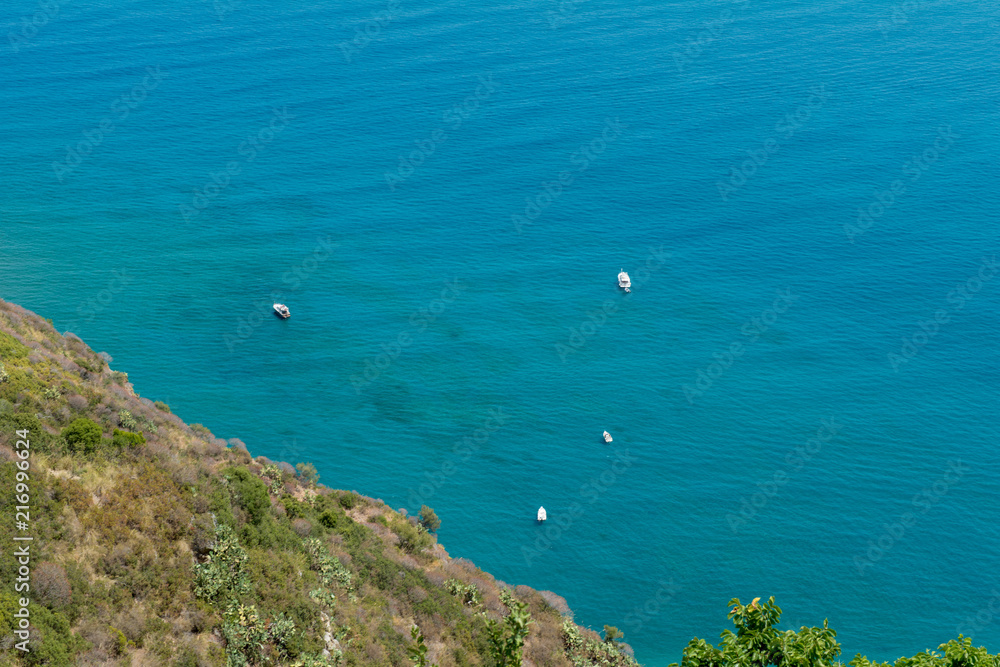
(281, 310)
(541, 514)
(607, 437)
(624, 282)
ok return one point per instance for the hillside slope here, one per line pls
(155, 543)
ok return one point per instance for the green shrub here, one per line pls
(125, 440)
(349, 500)
(249, 492)
(82, 436)
(161, 406)
(17, 421)
(59, 645)
(119, 641)
(411, 538)
(295, 509)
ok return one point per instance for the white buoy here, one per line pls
(541, 514)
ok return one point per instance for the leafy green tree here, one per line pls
(82, 436)
(961, 653)
(428, 519)
(612, 634)
(810, 647)
(757, 643)
(507, 636)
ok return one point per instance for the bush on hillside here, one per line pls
(126, 440)
(249, 492)
(82, 436)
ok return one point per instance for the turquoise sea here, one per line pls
(802, 386)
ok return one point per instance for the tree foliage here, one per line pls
(429, 519)
(756, 642)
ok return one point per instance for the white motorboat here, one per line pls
(607, 437)
(541, 514)
(281, 310)
(624, 282)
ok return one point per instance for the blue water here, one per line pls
(834, 100)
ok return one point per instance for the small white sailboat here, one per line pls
(624, 281)
(281, 310)
(607, 437)
(541, 514)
